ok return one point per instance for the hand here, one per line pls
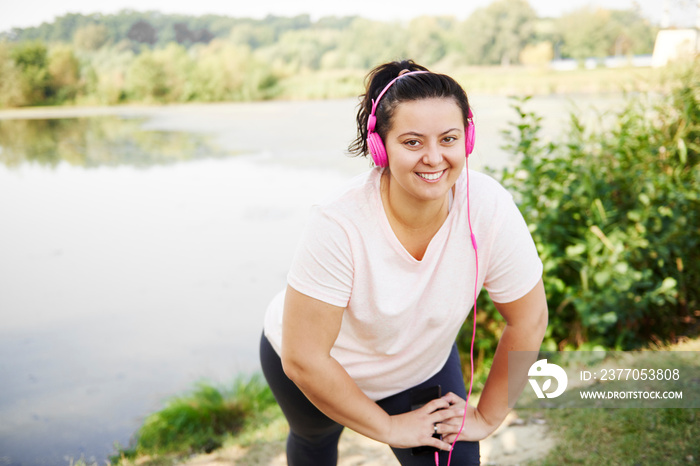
(475, 426)
(416, 428)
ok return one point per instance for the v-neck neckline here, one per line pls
(391, 234)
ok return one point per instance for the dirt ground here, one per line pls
(516, 442)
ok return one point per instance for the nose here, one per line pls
(433, 155)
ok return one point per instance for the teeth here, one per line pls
(431, 176)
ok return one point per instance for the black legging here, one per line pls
(313, 436)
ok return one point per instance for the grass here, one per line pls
(202, 421)
(246, 420)
(625, 436)
(628, 436)
(543, 81)
(512, 80)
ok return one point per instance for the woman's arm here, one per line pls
(310, 328)
(526, 322)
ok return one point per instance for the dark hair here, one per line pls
(413, 87)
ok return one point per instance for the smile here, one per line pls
(431, 176)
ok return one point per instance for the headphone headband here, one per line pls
(375, 104)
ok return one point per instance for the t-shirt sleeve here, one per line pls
(322, 267)
(514, 266)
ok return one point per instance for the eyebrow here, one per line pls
(414, 133)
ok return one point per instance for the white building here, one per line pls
(675, 44)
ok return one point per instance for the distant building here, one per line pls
(569, 64)
(675, 44)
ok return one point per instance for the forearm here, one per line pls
(526, 324)
(493, 403)
(310, 328)
(329, 387)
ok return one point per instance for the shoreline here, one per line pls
(478, 81)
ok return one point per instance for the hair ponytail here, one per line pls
(375, 81)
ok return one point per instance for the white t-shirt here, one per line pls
(402, 315)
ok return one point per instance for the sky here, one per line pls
(25, 13)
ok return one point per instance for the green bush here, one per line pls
(12, 89)
(201, 420)
(615, 216)
(31, 59)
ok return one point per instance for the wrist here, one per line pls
(387, 431)
(490, 419)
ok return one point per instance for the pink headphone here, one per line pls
(374, 141)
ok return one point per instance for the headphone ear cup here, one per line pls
(377, 149)
(469, 137)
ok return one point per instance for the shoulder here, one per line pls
(489, 205)
(356, 193)
(482, 187)
(347, 208)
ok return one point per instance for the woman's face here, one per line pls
(426, 148)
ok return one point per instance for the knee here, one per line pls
(317, 450)
(316, 437)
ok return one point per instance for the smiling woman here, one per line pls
(376, 292)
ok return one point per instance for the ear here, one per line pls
(469, 134)
(377, 149)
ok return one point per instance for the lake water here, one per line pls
(139, 248)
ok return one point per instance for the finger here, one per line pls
(451, 398)
(436, 404)
(439, 444)
(454, 423)
(447, 430)
(451, 415)
(449, 439)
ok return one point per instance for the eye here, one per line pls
(412, 143)
(449, 139)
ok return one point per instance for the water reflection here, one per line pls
(99, 141)
(121, 287)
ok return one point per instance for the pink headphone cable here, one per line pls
(471, 350)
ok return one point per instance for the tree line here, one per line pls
(150, 56)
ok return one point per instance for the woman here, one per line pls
(385, 277)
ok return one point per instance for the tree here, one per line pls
(185, 36)
(31, 60)
(366, 43)
(221, 71)
(634, 35)
(252, 35)
(427, 42)
(142, 31)
(537, 54)
(203, 36)
(600, 33)
(65, 26)
(497, 34)
(302, 49)
(90, 37)
(146, 78)
(11, 88)
(585, 33)
(64, 72)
